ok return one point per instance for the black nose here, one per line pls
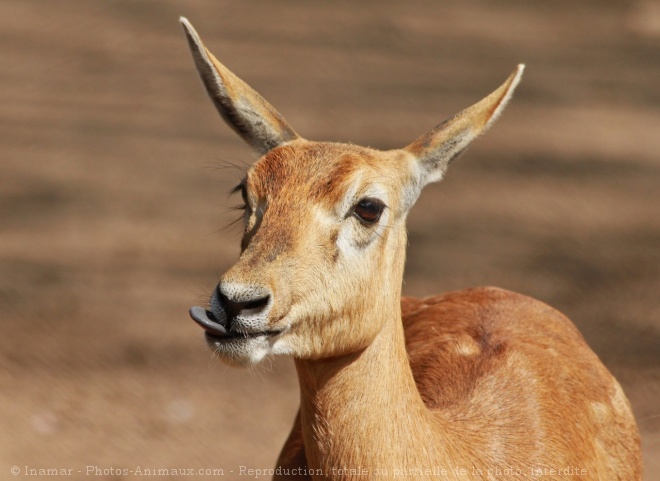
(233, 302)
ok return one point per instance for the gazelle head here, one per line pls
(324, 241)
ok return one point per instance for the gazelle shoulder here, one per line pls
(460, 340)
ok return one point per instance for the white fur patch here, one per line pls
(467, 347)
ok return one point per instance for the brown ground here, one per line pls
(113, 190)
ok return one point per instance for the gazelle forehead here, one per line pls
(316, 171)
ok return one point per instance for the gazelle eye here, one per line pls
(243, 190)
(368, 210)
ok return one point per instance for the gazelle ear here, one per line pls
(438, 148)
(242, 108)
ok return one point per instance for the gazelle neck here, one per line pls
(364, 409)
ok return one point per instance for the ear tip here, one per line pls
(514, 79)
(187, 26)
(194, 41)
(517, 73)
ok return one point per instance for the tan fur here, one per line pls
(477, 384)
(524, 401)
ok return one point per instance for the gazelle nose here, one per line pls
(244, 301)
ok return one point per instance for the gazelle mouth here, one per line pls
(217, 331)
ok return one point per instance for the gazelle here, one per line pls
(477, 384)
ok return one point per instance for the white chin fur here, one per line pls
(248, 352)
(241, 353)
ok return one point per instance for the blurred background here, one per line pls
(116, 169)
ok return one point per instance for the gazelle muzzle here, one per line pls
(235, 311)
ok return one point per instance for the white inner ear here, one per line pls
(436, 164)
(507, 97)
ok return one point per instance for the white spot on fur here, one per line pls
(467, 347)
(618, 399)
(601, 412)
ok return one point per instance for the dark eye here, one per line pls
(244, 194)
(243, 190)
(369, 210)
